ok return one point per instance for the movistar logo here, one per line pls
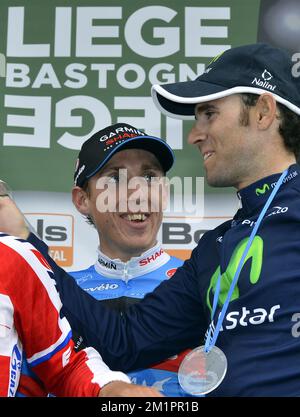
(255, 254)
(262, 190)
(212, 61)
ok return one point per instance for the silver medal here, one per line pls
(201, 372)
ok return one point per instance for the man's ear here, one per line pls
(80, 200)
(265, 111)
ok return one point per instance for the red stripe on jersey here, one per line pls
(30, 387)
(4, 375)
(79, 374)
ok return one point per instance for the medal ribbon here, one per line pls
(211, 341)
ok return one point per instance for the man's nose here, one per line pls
(197, 134)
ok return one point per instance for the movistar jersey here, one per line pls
(121, 284)
(260, 333)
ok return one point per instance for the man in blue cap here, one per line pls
(126, 166)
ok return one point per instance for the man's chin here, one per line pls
(218, 181)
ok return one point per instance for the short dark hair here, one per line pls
(289, 127)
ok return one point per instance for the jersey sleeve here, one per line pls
(44, 333)
(165, 322)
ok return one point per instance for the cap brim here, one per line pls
(178, 100)
(162, 151)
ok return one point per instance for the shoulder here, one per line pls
(15, 250)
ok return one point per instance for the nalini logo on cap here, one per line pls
(266, 76)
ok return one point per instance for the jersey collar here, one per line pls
(150, 260)
(255, 195)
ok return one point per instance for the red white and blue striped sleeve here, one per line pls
(30, 320)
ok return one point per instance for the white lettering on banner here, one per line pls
(140, 76)
(17, 75)
(63, 31)
(102, 32)
(88, 33)
(46, 76)
(102, 73)
(65, 118)
(151, 118)
(134, 38)
(2, 65)
(20, 76)
(15, 37)
(39, 122)
(75, 72)
(174, 135)
(193, 19)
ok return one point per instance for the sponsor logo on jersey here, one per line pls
(254, 255)
(102, 287)
(107, 264)
(246, 316)
(152, 258)
(171, 272)
(262, 190)
(66, 357)
(15, 367)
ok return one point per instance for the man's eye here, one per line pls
(151, 177)
(209, 114)
(113, 178)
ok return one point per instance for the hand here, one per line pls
(123, 389)
(12, 221)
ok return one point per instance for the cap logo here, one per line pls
(208, 68)
(215, 58)
(121, 133)
(266, 76)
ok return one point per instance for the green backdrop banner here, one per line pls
(73, 67)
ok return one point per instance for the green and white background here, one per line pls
(73, 67)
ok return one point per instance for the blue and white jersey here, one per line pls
(119, 284)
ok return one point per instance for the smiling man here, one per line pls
(119, 186)
(243, 275)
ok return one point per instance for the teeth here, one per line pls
(207, 155)
(139, 216)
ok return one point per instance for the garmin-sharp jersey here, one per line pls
(120, 284)
(31, 323)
